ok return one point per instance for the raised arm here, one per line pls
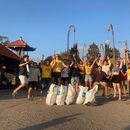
(72, 63)
(94, 62)
(23, 64)
(64, 65)
(53, 63)
(127, 56)
(109, 61)
(99, 62)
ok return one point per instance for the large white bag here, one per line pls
(51, 96)
(70, 95)
(90, 95)
(61, 95)
(81, 95)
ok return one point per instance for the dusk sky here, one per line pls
(43, 24)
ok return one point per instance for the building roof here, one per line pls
(4, 51)
(19, 44)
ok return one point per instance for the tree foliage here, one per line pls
(93, 51)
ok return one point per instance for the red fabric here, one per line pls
(122, 77)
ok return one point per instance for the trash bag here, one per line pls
(51, 96)
(61, 95)
(81, 95)
(71, 94)
(90, 95)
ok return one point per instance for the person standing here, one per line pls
(74, 74)
(116, 79)
(23, 72)
(123, 76)
(57, 65)
(34, 78)
(65, 79)
(106, 65)
(46, 74)
(88, 73)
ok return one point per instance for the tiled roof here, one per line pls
(4, 51)
(19, 44)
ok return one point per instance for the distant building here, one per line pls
(20, 46)
(9, 62)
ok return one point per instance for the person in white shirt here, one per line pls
(106, 65)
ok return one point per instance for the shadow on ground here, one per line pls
(52, 123)
(127, 128)
(6, 94)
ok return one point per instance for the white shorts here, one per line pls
(23, 79)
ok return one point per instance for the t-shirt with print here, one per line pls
(46, 71)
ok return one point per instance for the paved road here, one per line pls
(20, 114)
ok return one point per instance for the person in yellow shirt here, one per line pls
(88, 72)
(57, 65)
(128, 77)
(46, 74)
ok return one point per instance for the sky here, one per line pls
(44, 24)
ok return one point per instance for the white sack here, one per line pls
(70, 95)
(61, 95)
(51, 96)
(90, 95)
(81, 95)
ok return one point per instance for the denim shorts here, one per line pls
(88, 78)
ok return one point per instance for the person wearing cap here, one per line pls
(23, 72)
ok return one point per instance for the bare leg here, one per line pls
(90, 84)
(53, 80)
(119, 90)
(87, 83)
(129, 87)
(125, 88)
(29, 92)
(106, 91)
(18, 88)
(59, 81)
(114, 87)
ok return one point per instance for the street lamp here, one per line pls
(71, 28)
(107, 43)
(110, 27)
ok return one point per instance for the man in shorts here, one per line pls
(23, 72)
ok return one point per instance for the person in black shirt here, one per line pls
(101, 79)
(74, 74)
(23, 72)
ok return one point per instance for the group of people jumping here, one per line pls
(94, 71)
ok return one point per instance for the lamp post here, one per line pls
(110, 27)
(107, 43)
(71, 28)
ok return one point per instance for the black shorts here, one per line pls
(116, 79)
(56, 74)
(33, 84)
(63, 79)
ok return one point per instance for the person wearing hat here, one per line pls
(23, 72)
